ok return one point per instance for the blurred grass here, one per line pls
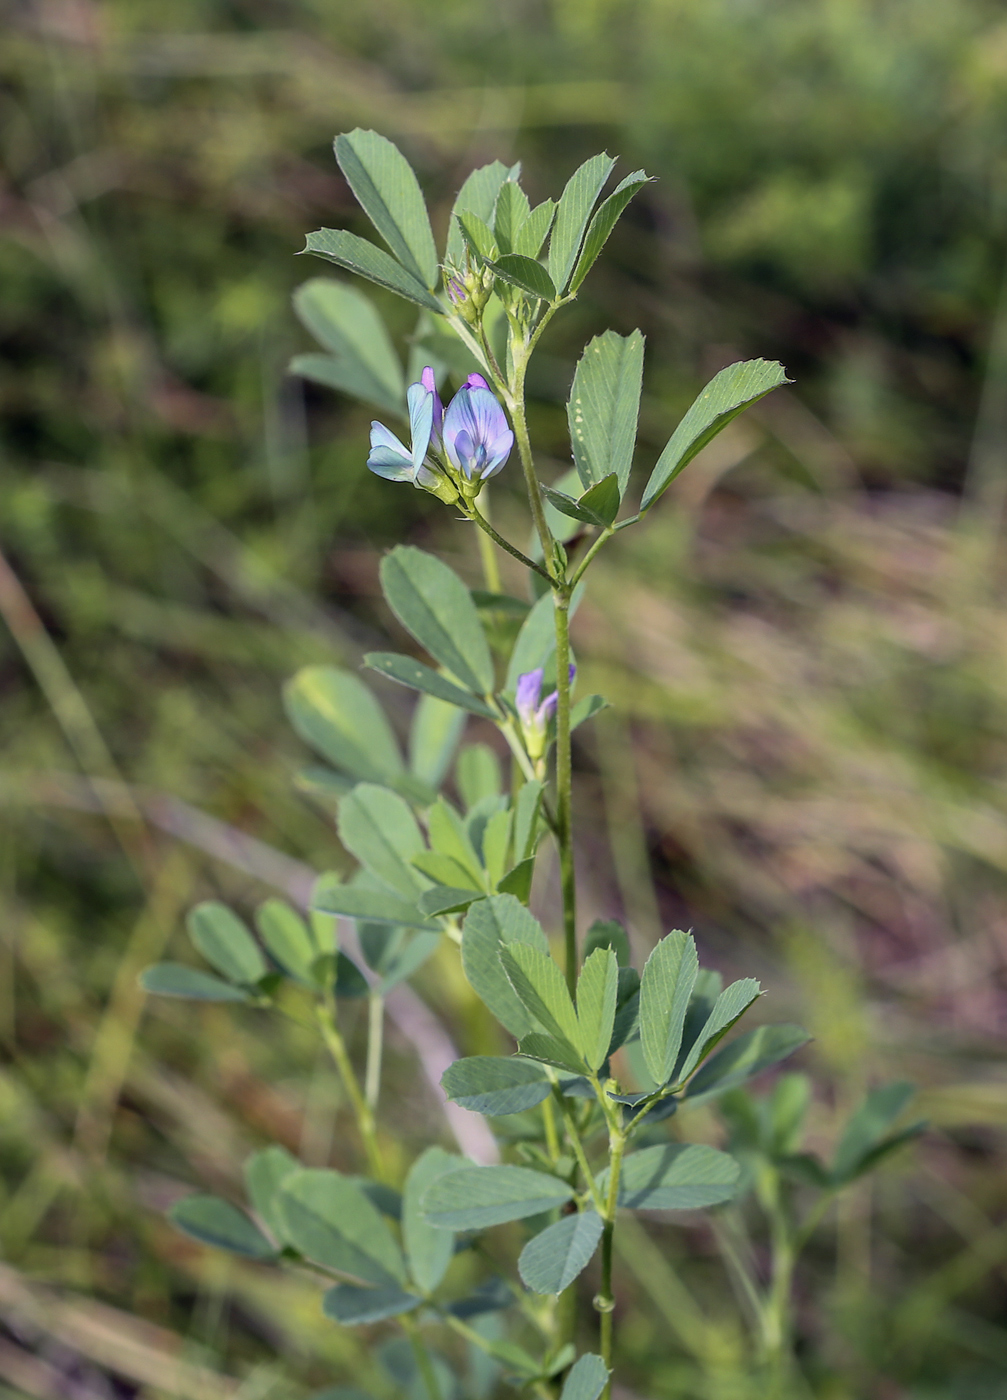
(805, 649)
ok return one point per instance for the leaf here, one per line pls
(433, 604)
(608, 933)
(518, 880)
(489, 1297)
(356, 903)
(359, 256)
(727, 393)
(414, 674)
(552, 1260)
(226, 943)
(536, 642)
(727, 1009)
(604, 407)
(446, 871)
(574, 210)
(378, 827)
(541, 986)
(433, 737)
(387, 189)
(449, 836)
(347, 324)
(477, 773)
(398, 1359)
(334, 712)
(538, 1045)
(744, 1058)
(627, 1008)
(288, 939)
(410, 958)
(352, 1306)
(477, 196)
(597, 989)
(604, 222)
(350, 981)
(587, 1379)
(265, 1172)
(213, 1221)
(676, 1176)
(169, 979)
(329, 1219)
(665, 988)
(526, 824)
(868, 1126)
(477, 237)
(598, 506)
(524, 273)
(494, 923)
(428, 1250)
(446, 899)
(510, 212)
(531, 235)
(495, 1085)
(495, 846)
(473, 1198)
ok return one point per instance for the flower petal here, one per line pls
(526, 694)
(421, 420)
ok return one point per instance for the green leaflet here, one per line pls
(359, 256)
(215, 1222)
(572, 214)
(604, 222)
(597, 989)
(531, 235)
(288, 939)
(407, 671)
(604, 407)
(586, 1380)
(665, 988)
(477, 196)
(474, 1198)
(436, 608)
(433, 738)
(383, 182)
(552, 1260)
(494, 923)
(510, 213)
(730, 391)
(678, 1176)
(362, 360)
(729, 1006)
(744, 1058)
(379, 907)
(864, 1141)
(428, 1250)
(378, 827)
(329, 1219)
(170, 979)
(477, 773)
(264, 1173)
(353, 1306)
(524, 273)
(495, 1085)
(541, 987)
(337, 715)
(226, 943)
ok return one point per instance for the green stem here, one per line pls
(516, 404)
(375, 1047)
(605, 1301)
(511, 549)
(564, 787)
(578, 1148)
(325, 1016)
(426, 1367)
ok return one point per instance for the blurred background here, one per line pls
(805, 646)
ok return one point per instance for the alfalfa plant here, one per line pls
(604, 1055)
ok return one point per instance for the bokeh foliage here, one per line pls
(806, 654)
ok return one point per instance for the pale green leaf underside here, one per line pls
(552, 1260)
(474, 1198)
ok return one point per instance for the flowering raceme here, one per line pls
(451, 451)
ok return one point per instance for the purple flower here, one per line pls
(534, 712)
(395, 462)
(477, 439)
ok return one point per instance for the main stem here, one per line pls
(605, 1301)
(564, 786)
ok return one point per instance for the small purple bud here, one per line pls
(526, 695)
(456, 291)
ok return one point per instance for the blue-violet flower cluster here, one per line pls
(452, 451)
